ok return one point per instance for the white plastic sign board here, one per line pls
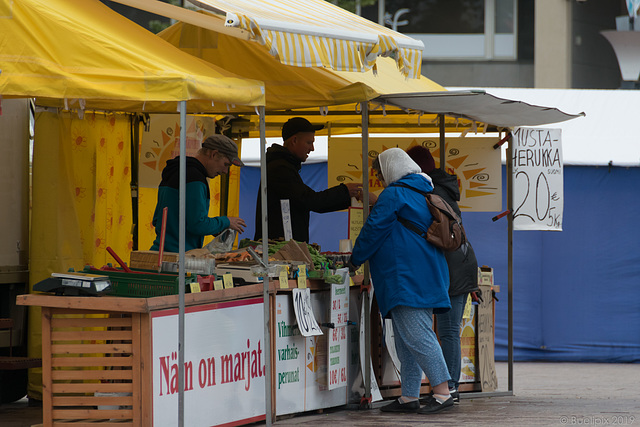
(337, 336)
(299, 387)
(285, 209)
(538, 201)
(304, 312)
(375, 390)
(224, 364)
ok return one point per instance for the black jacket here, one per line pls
(463, 265)
(284, 182)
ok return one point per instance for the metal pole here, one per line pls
(381, 8)
(135, 191)
(443, 145)
(265, 260)
(181, 248)
(365, 214)
(510, 185)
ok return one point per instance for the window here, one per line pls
(458, 29)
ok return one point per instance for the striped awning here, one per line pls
(316, 33)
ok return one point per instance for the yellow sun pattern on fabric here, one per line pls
(472, 160)
(81, 200)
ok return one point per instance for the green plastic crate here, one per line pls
(142, 285)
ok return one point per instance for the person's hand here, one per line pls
(373, 198)
(355, 190)
(352, 267)
(236, 223)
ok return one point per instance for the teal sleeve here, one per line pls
(197, 207)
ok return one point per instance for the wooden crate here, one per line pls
(93, 373)
(148, 260)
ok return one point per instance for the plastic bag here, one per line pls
(223, 242)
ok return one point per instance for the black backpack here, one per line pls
(446, 231)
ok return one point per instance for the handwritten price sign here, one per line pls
(538, 179)
(304, 313)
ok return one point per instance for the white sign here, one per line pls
(299, 381)
(304, 313)
(285, 209)
(538, 179)
(224, 364)
(337, 336)
(340, 299)
(375, 390)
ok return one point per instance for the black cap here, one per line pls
(225, 146)
(298, 124)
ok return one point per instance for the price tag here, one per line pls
(195, 287)
(302, 276)
(284, 277)
(227, 279)
(217, 285)
(304, 313)
(467, 308)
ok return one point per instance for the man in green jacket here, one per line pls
(216, 155)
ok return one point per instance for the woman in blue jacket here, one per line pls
(410, 278)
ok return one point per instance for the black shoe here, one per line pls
(396, 406)
(433, 406)
(455, 394)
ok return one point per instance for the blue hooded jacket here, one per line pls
(405, 268)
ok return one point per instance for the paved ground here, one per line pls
(545, 394)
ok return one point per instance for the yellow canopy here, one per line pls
(304, 89)
(303, 33)
(81, 54)
(315, 33)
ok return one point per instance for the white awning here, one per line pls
(314, 33)
(478, 105)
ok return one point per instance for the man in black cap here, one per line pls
(216, 155)
(284, 183)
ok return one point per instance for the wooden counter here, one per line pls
(97, 354)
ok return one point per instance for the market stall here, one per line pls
(113, 359)
(45, 56)
(362, 120)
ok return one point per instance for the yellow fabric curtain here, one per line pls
(81, 201)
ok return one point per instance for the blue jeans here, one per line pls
(418, 349)
(448, 325)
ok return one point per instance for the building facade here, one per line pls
(511, 43)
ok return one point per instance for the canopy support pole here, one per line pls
(365, 213)
(510, 188)
(442, 141)
(269, 414)
(181, 249)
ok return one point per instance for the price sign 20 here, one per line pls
(538, 185)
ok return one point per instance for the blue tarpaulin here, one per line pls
(575, 292)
